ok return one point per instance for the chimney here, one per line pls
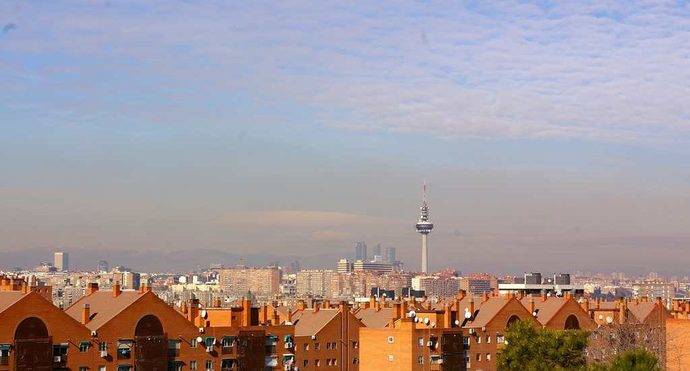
(91, 288)
(598, 303)
(543, 296)
(398, 313)
(246, 312)
(622, 310)
(315, 308)
(116, 290)
(342, 307)
(485, 296)
(326, 304)
(301, 305)
(193, 312)
(447, 320)
(461, 294)
(532, 306)
(263, 314)
(86, 314)
(372, 302)
(585, 304)
(472, 305)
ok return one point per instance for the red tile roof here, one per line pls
(104, 306)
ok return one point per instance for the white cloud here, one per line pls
(614, 71)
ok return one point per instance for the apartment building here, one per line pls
(263, 283)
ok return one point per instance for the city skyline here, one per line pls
(554, 136)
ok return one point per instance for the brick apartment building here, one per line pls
(135, 330)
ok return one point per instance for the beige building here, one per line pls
(314, 282)
(263, 283)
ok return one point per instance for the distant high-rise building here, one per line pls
(131, 280)
(361, 250)
(61, 261)
(424, 227)
(391, 255)
(377, 250)
(103, 266)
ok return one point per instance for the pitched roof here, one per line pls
(546, 309)
(8, 298)
(310, 322)
(641, 310)
(371, 317)
(104, 306)
(487, 311)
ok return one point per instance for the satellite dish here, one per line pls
(199, 339)
(609, 320)
(468, 314)
(426, 321)
(457, 323)
(413, 314)
(601, 316)
(204, 314)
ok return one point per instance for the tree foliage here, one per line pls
(531, 348)
(535, 349)
(635, 360)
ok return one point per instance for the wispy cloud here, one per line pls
(614, 71)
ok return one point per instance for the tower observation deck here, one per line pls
(424, 227)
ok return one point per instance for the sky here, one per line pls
(554, 136)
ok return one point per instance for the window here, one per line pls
(421, 342)
(60, 352)
(355, 344)
(103, 346)
(101, 368)
(488, 356)
(193, 343)
(355, 361)
(500, 339)
(84, 346)
(391, 358)
(317, 362)
(420, 360)
(124, 349)
(316, 346)
(83, 368)
(174, 348)
(124, 368)
(479, 339)
(334, 345)
(488, 339)
(306, 363)
(227, 364)
(227, 341)
(5, 354)
(479, 357)
(209, 365)
(210, 341)
(306, 346)
(192, 365)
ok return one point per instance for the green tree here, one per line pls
(634, 360)
(535, 349)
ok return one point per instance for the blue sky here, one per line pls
(549, 131)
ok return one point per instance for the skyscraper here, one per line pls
(377, 250)
(390, 255)
(103, 266)
(61, 261)
(361, 250)
(424, 227)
